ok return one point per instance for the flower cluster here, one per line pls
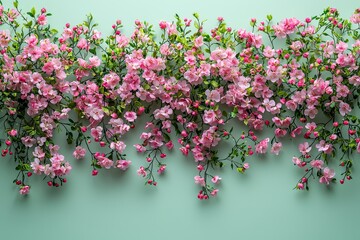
(189, 82)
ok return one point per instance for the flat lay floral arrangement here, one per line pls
(295, 78)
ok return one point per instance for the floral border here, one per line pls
(185, 80)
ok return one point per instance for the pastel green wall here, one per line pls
(114, 205)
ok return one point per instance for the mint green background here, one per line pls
(115, 205)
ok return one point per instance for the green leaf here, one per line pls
(240, 170)
(214, 84)
(93, 51)
(166, 136)
(16, 3)
(69, 138)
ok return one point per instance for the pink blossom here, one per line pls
(110, 80)
(311, 126)
(304, 148)
(130, 116)
(42, 19)
(213, 95)
(163, 113)
(317, 164)
(161, 169)
(216, 179)
(12, 132)
(94, 61)
(169, 145)
(322, 146)
(214, 192)
(104, 162)
(297, 162)
(355, 80)
(12, 14)
(119, 146)
(83, 44)
(36, 166)
(184, 151)
(199, 180)
(268, 52)
(4, 38)
(123, 164)
(262, 146)
(142, 172)
(276, 147)
(344, 108)
(296, 131)
(246, 165)
(328, 175)
(24, 190)
(355, 18)
(198, 42)
(140, 148)
(96, 133)
(28, 141)
(79, 152)
(209, 117)
(122, 41)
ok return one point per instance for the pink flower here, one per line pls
(96, 133)
(184, 150)
(119, 146)
(209, 117)
(216, 179)
(355, 18)
(141, 171)
(24, 190)
(304, 148)
(322, 146)
(213, 95)
(328, 174)
(199, 180)
(169, 145)
(104, 162)
(297, 162)
(344, 108)
(317, 164)
(296, 131)
(276, 147)
(36, 166)
(42, 19)
(96, 113)
(28, 141)
(4, 38)
(82, 44)
(122, 41)
(94, 61)
(262, 146)
(198, 42)
(12, 132)
(140, 148)
(163, 113)
(110, 80)
(198, 155)
(358, 148)
(161, 169)
(123, 164)
(246, 165)
(130, 116)
(310, 126)
(214, 192)
(79, 152)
